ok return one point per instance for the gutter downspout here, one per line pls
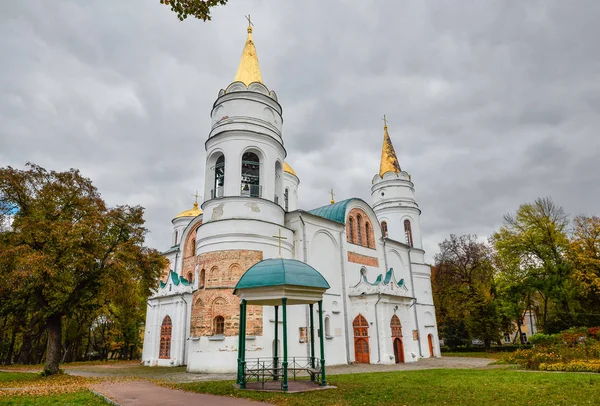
(184, 342)
(377, 329)
(307, 308)
(412, 285)
(344, 298)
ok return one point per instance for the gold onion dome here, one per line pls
(249, 70)
(288, 169)
(196, 211)
(389, 161)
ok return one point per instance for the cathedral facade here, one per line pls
(379, 308)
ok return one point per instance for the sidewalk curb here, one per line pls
(107, 399)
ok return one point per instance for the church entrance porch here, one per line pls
(361, 340)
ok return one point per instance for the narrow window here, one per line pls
(408, 233)
(358, 229)
(219, 177)
(189, 277)
(202, 278)
(176, 236)
(384, 230)
(286, 199)
(327, 326)
(219, 325)
(368, 234)
(250, 175)
(165, 338)
(351, 230)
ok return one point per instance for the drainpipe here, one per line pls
(377, 329)
(184, 342)
(344, 297)
(412, 285)
(307, 308)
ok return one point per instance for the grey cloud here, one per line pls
(491, 104)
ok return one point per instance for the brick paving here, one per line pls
(138, 393)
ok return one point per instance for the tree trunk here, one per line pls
(11, 347)
(54, 329)
(25, 354)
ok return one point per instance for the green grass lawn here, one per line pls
(17, 376)
(434, 387)
(86, 398)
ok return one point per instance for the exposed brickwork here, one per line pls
(223, 269)
(364, 230)
(362, 259)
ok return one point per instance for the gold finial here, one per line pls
(196, 201)
(279, 238)
(248, 70)
(332, 196)
(389, 160)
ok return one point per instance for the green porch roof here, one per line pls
(279, 271)
(335, 212)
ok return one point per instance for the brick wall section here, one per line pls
(189, 254)
(368, 239)
(223, 269)
(362, 259)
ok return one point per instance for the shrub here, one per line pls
(574, 366)
(543, 339)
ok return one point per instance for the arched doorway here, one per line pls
(430, 341)
(361, 339)
(165, 338)
(397, 339)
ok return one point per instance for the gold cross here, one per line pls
(384, 121)
(332, 196)
(249, 22)
(196, 196)
(279, 238)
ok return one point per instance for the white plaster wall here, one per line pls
(291, 183)
(178, 310)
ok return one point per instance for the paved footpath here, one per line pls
(138, 393)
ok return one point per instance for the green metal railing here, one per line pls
(264, 370)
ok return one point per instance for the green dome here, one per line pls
(278, 271)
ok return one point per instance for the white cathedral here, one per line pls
(379, 308)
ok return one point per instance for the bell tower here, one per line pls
(244, 151)
(393, 196)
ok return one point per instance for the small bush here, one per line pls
(543, 339)
(574, 366)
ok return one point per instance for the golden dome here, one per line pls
(389, 160)
(190, 213)
(248, 70)
(288, 169)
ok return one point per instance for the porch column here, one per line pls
(312, 336)
(322, 336)
(284, 364)
(239, 358)
(243, 341)
(275, 358)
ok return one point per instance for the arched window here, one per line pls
(327, 326)
(165, 338)
(190, 277)
(286, 199)
(351, 230)
(219, 325)
(219, 177)
(408, 233)
(368, 234)
(176, 235)
(251, 175)
(384, 230)
(396, 326)
(358, 229)
(202, 280)
(278, 182)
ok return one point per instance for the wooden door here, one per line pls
(361, 339)
(430, 341)
(398, 350)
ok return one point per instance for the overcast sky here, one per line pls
(490, 103)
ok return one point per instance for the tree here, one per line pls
(199, 9)
(65, 249)
(464, 288)
(534, 242)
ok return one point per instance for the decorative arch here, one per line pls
(278, 183)
(251, 182)
(165, 338)
(202, 281)
(359, 237)
(350, 230)
(408, 232)
(286, 199)
(215, 175)
(327, 326)
(396, 326)
(189, 277)
(213, 276)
